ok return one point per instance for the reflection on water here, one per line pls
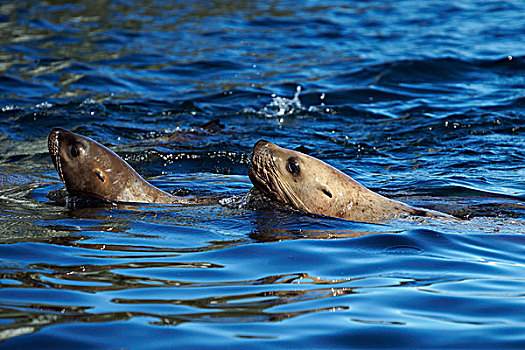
(247, 307)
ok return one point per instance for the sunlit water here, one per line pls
(422, 101)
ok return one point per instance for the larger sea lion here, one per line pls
(88, 168)
(309, 184)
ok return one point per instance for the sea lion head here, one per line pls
(299, 180)
(88, 168)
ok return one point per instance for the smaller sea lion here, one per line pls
(308, 184)
(87, 168)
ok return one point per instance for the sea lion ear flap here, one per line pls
(100, 174)
(326, 191)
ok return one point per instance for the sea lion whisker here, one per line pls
(54, 145)
(291, 196)
(266, 173)
(279, 188)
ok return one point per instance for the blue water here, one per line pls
(422, 101)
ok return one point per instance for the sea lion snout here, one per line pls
(257, 157)
(259, 147)
(261, 164)
(54, 140)
(65, 145)
(261, 143)
(269, 173)
(54, 145)
(255, 160)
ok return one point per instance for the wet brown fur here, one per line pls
(88, 168)
(320, 188)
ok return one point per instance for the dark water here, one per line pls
(423, 101)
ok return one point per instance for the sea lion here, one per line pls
(309, 184)
(87, 168)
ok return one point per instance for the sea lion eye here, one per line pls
(293, 166)
(73, 151)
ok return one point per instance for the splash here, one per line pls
(282, 106)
